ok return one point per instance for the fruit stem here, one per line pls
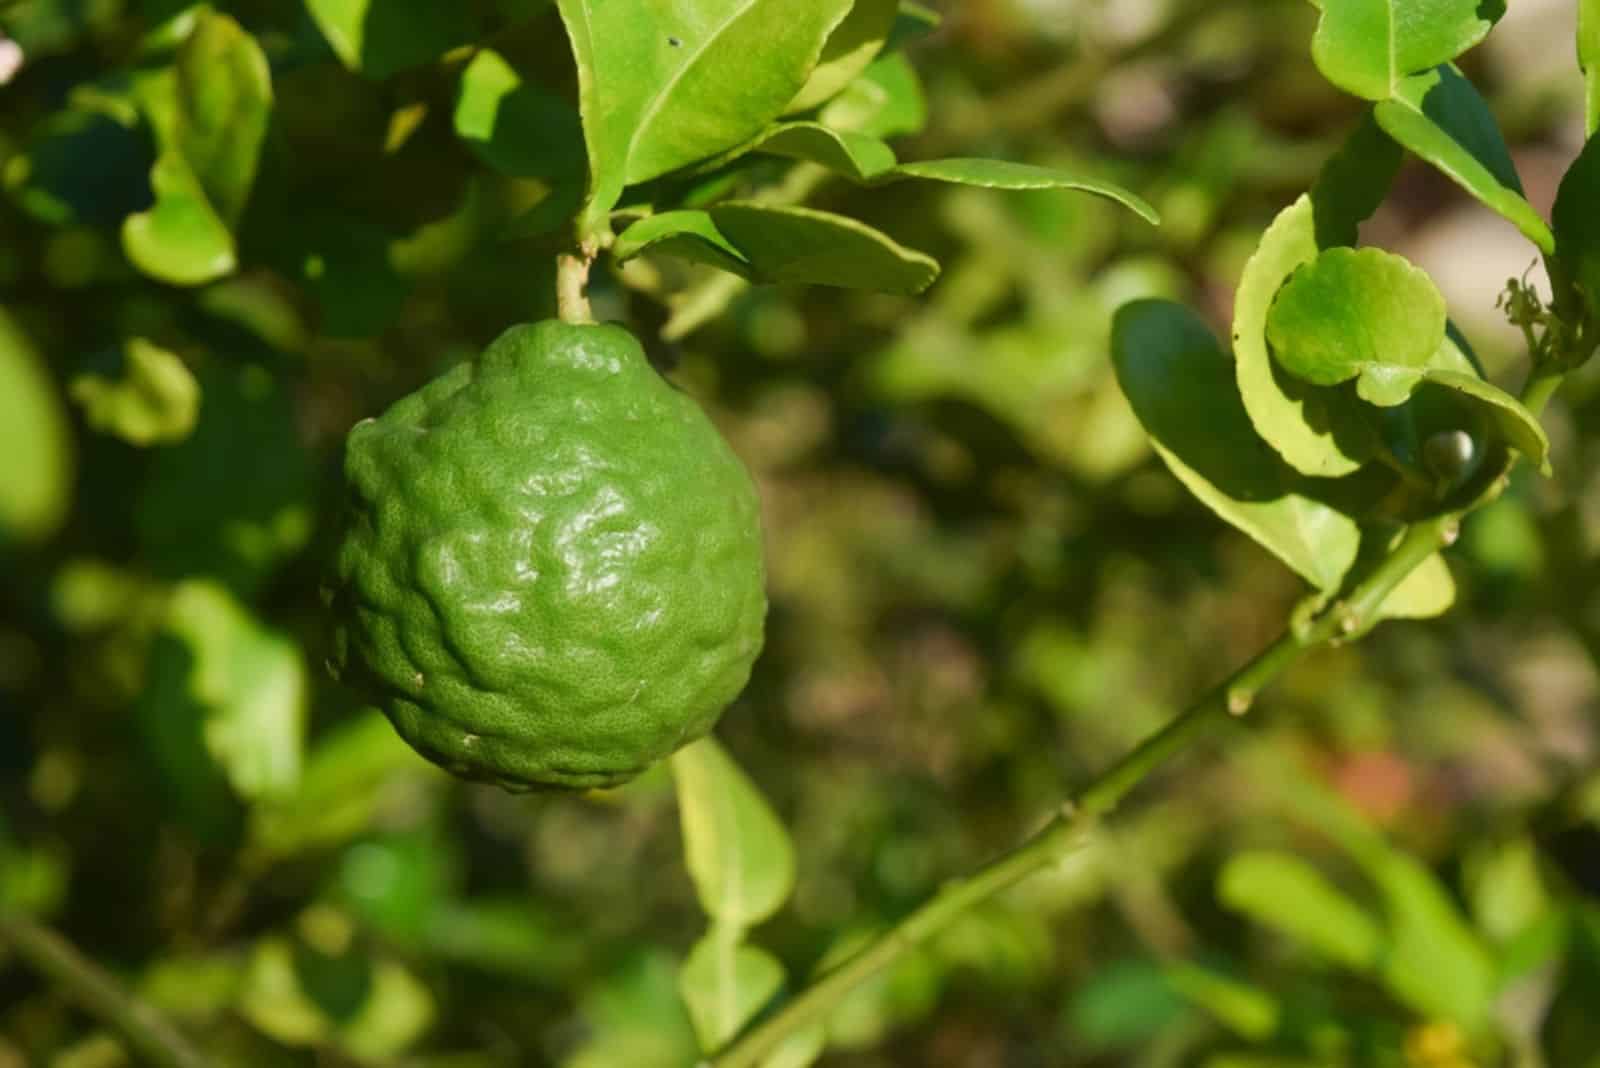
(572, 285)
(149, 1036)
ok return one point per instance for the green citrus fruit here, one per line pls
(553, 574)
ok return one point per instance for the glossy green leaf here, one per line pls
(252, 684)
(154, 402)
(1440, 116)
(662, 87)
(224, 98)
(517, 128)
(382, 37)
(1181, 387)
(737, 852)
(783, 245)
(886, 101)
(1367, 47)
(1589, 57)
(850, 50)
(1577, 224)
(36, 439)
(1354, 182)
(724, 983)
(1003, 174)
(1287, 894)
(1320, 432)
(1358, 314)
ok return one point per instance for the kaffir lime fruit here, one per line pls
(553, 575)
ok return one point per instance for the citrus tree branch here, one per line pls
(1349, 615)
(150, 1037)
(572, 286)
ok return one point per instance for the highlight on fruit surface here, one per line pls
(552, 572)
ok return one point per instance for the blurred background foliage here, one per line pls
(983, 587)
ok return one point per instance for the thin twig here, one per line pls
(152, 1039)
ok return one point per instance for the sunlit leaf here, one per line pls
(737, 852)
(1287, 894)
(1589, 57)
(515, 127)
(1367, 46)
(36, 439)
(886, 101)
(724, 983)
(156, 400)
(850, 49)
(382, 37)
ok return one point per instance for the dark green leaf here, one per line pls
(1440, 116)
(1366, 47)
(849, 51)
(1354, 182)
(787, 245)
(1577, 224)
(1320, 432)
(664, 87)
(382, 37)
(1181, 386)
(517, 128)
(914, 22)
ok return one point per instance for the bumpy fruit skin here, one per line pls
(553, 574)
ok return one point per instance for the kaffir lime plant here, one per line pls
(552, 576)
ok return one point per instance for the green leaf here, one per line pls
(382, 37)
(252, 684)
(224, 97)
(850, 50)
(1320, 432)
(1285, 893)
(914, 22)
(1354, 182)
(1248, 1011)
(1440, 116)
(738, 854)
(783, 245)
(36, 440)
(1002, 174)
(801, 1049)
(1589, 58)
(1366, 47)
(724, 983)
(156, 401)
(210, 118)
(1435, 963)
(661, 87)
(886, 101)
(1426, 593)
(1358, 313)
(1577, 224)
(517, 128)
(1181, 387)
(854, 155)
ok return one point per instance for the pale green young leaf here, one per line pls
(1589, 58)
(1440, 116)
(724, 983)
(1358, 314)
(180, 239)
(36, 439)
(1003, 174)
(1180, 384)
(770, 244)
(155, 401)
(224, 98)
(1435, 963)
(1245, 1009)
(1320, 432)
(851, 48)
(383, 37)
(738, 854)
(1366, 47)
(664, 87)
(1426, 593)
(801, 1049)
(1287, 894)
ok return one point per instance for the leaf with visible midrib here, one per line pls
(1366, 47)
(662, 87)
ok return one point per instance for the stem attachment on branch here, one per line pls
(572, 285)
